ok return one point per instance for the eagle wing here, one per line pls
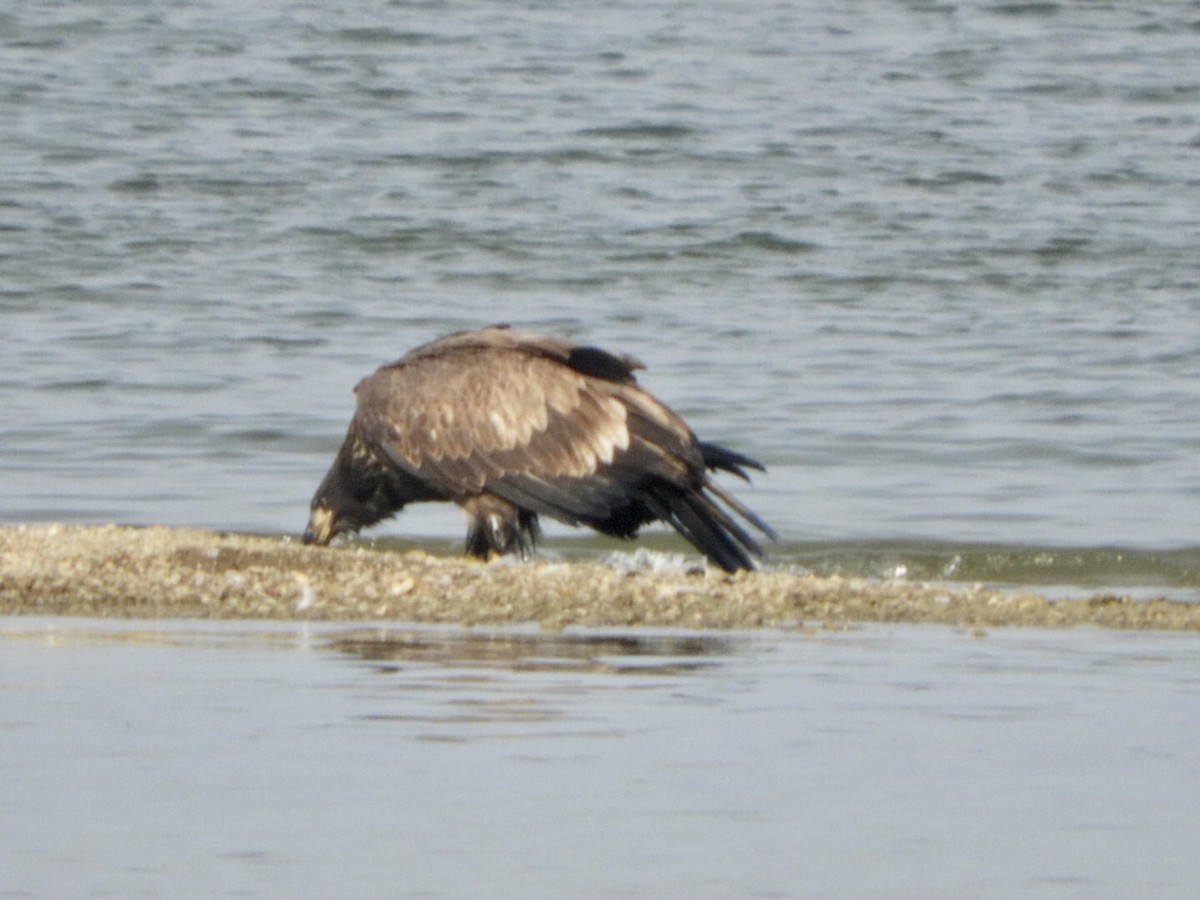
(561, 430)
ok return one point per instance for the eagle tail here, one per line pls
(717, 457)
(741, 509)
(707, 526)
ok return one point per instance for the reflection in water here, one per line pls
(456, 680)
(526, 652)
(314, 760)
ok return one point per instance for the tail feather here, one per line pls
(741, 509)
(717, 457)
(708, 527)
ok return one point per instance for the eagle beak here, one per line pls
(320, 528)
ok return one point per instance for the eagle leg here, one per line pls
(498, 527)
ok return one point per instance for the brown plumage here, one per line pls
(512, 425)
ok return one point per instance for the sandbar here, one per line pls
(116, 571)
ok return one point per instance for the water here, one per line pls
(310, 761)
(934, 263)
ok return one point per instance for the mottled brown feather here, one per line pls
(504, 412)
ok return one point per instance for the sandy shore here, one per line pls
(114, 571)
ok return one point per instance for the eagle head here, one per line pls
(359, 490)
(328, 518)
(348, 499)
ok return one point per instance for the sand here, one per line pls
(117, 571)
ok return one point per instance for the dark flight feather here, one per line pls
(511, 425)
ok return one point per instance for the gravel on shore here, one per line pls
(157, 572)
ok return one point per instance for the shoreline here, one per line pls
(113, 571)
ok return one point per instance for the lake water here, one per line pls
(233, 760)
(934, 263)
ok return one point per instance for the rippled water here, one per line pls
(310, 761)
(934, 263)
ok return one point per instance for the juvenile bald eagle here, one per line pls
(512, 425)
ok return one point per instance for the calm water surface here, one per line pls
(168, 759)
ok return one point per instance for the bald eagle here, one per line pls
(511, 425)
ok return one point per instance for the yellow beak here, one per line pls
(320, 528)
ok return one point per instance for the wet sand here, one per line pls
(123, 572)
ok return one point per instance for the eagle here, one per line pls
(512, 425)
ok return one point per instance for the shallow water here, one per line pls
(934, 263)
(172, 759)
